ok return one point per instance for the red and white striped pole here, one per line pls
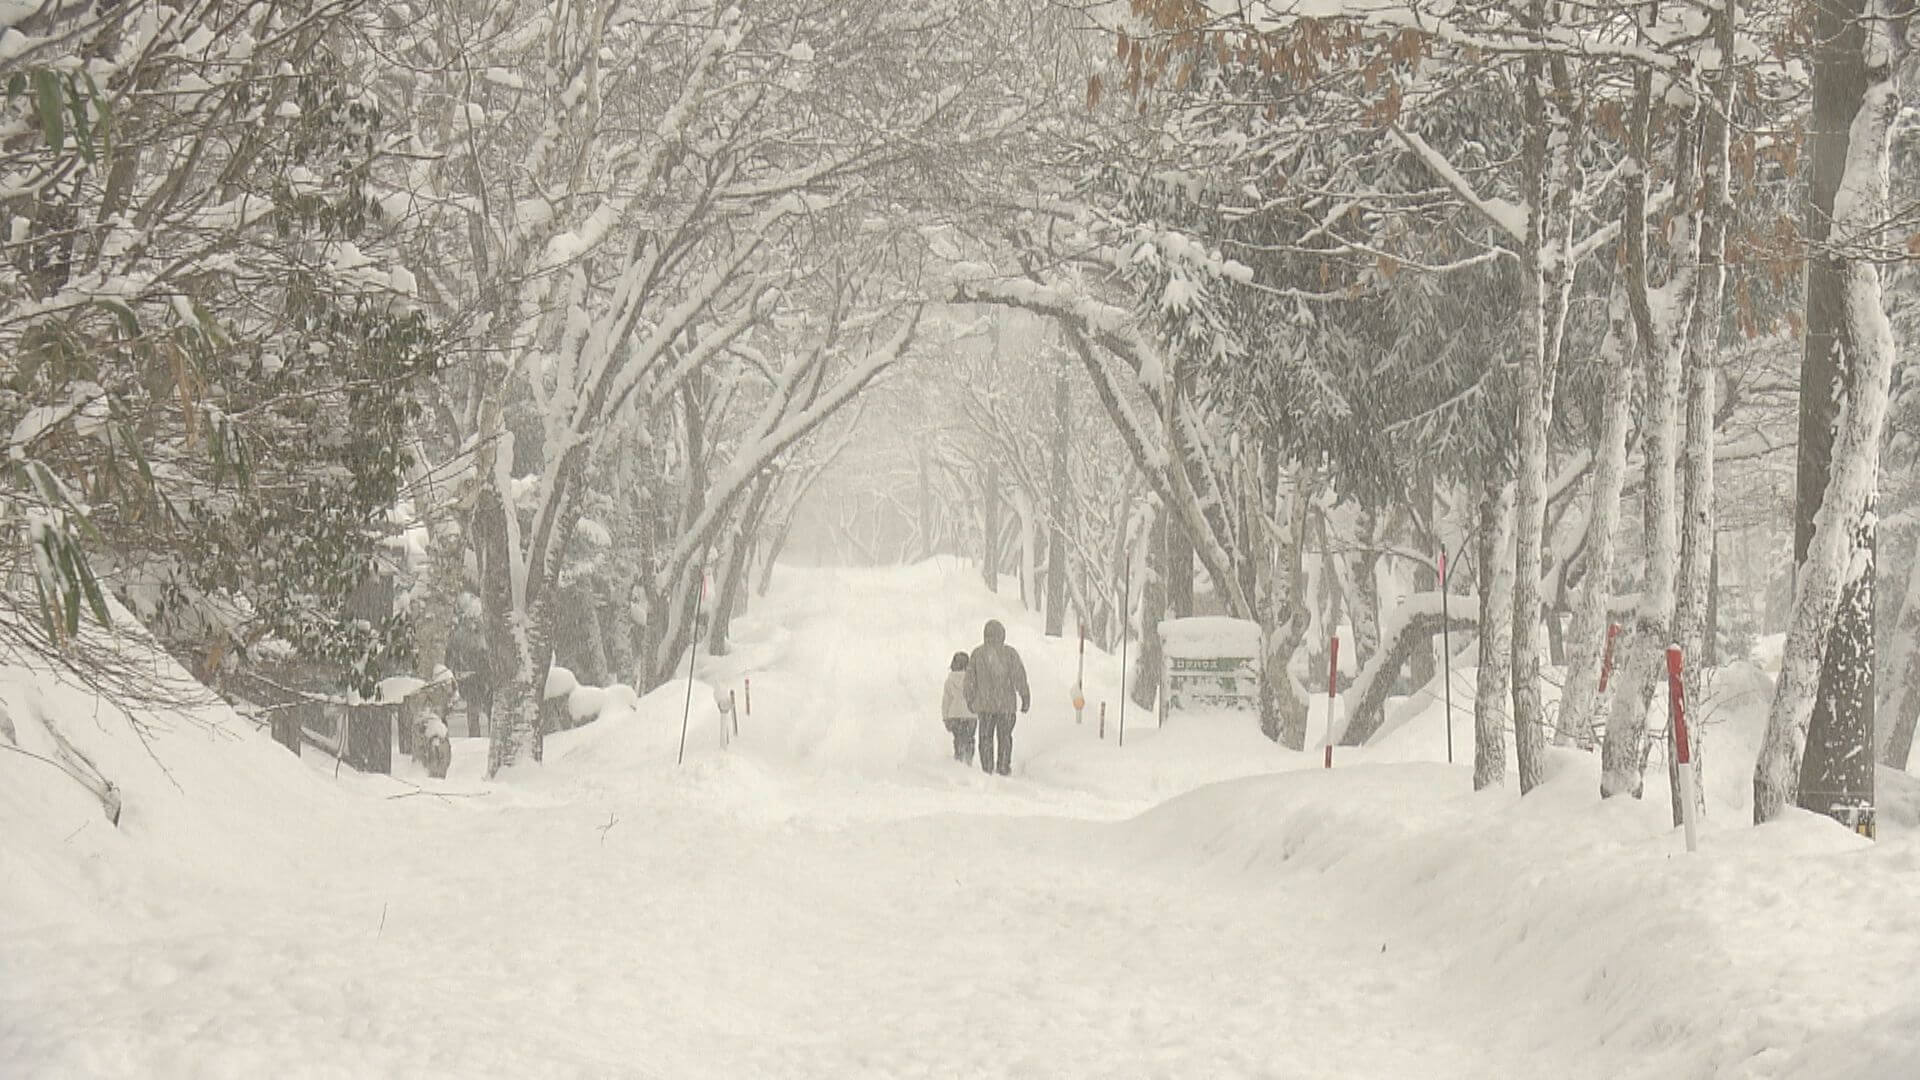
(1080, 679)
(1606, 660)
(1333, 682)
(1682, 746)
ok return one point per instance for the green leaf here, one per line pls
(82, 130)
(73, 608)
(95, 599)
(129, 321)
(46, 88)
(104, 106)
(16, 85)
(68, 586)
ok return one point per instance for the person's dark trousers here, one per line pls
(962, 728)
(996, 742)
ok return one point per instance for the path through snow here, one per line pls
(832, 897)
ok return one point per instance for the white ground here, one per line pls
(833, 896)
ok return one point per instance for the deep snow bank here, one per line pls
(1786, 951)
(201, 789)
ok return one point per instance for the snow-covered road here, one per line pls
(835, 897)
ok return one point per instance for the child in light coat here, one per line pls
(953, 709)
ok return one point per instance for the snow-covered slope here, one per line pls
(832, 895)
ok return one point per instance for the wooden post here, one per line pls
(1333, 682)
(1446, 653)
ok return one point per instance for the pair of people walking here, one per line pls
(979, 699)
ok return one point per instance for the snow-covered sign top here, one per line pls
(1208, 636)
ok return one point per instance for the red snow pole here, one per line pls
(1446, 653)
(1606, 658)
(1682, 746)
(1333, 681)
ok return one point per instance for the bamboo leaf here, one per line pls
(129, 321)
(96, 600)
(46, 89)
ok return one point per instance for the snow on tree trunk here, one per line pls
(1903, 700)
(1641, 647)
(1414, 624)
(1281, 591)
(1024, 523)
(1496, 630)
(1364, 604)
(1059, 483)
(433, 604)
(1153, 608)
(1581, 699)
(1690, 627)
(1552, 165)
(1820, 725)
(990, 527)
(1662, 318)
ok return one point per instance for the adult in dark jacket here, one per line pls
(996, 683)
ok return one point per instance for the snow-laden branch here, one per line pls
(1508, 217)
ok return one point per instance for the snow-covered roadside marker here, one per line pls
(1682, 747)
(1080, 679)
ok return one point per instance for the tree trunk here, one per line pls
(1426, 578)
(1690, 617)
(990, 527)
(1153, 608)
(1641, 648)
(1280, 585)
(1663, 335)
(1364, 603)
(1410, 635)
(1058, 507)
(433, 613)
(1496, 635)
(1179, 572)
(733, 562)
(1581, 701)
(1820, 725)
(1549, 262)
(1903, 700)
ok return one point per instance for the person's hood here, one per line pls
(995, 633)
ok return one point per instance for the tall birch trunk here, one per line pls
(1702, 367)
(1552, 163)
(1662, 333)
(1153, 608)
(990, 527)
(1587, 636)
(1056, 620)
(1281, 590)
(1364, 604)
(1490, 693)
(1819, 738)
